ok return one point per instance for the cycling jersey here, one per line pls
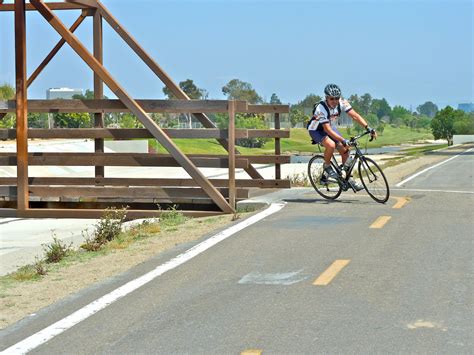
(323, 114)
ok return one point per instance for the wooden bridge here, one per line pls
(86, 197)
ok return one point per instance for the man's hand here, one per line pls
(373, 134)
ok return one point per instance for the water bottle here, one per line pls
(348, 163)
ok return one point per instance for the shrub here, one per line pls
(107, 228)
(172, 217)
(56, 251)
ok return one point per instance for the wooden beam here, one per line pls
(132, 133)
(268, 109)
(166, 142)
(51, 5)
(56, 49)
(98, 86)
(21, 105)
(232, 194)
(92, 106)
(90, 3)
(123, 133)
(83, 181)
(118, 159)
(94, 213)
(115, 192)
(277, 146)
(160, 73)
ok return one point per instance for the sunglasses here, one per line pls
(333, 98)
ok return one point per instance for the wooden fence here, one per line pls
(86, 197)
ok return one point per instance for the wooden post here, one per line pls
(231, 152)
(277, 147)
(21, 106)
(98, 87)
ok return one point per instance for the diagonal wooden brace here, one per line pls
(154, 129)
(56, 49)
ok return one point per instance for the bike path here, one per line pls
(404, 289)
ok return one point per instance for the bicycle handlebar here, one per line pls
(353, 140)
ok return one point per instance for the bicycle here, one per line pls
(371, 175)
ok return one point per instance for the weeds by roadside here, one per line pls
(299, 180)
(56, 251)
(171, 218)
(107, 229)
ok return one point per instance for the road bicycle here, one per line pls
(371, 175)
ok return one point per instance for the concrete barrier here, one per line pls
(463, 138)
(129, 146)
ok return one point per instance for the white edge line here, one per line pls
(60, 326)
(431, 190)
(429, 168)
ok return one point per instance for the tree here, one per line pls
(274, 100)
(247, 121)
(297, 116)
(428, 108)
(37, 120)
(306, 105)
(464, 124)
(72, 120)
(365, 103)
(193, 92)
(355, 102)
(442, 125)
(381, 108)
(7, 92)
(240, 90)
(189, 88)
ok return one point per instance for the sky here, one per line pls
(407, 52)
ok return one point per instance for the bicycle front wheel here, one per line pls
(374, 180)
(328, 190)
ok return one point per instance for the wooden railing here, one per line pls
(85, 197)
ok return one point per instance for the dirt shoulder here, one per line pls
(20, 299)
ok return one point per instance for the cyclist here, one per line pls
(322, 129)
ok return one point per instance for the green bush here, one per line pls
(172, 217)
(246, 121)
(56, 251)
(106, 229)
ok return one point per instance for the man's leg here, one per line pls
(344, 151)
(329, 146)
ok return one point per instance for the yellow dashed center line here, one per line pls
(251, 352)
(401, 201)
(380, 222)
(327, 276)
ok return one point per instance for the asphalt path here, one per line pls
(313, 277)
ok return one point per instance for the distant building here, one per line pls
(62, 93)
(466, 107)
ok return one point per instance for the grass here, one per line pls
(298, 142)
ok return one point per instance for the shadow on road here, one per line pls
(327, 202)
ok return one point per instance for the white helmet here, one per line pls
(332, 90)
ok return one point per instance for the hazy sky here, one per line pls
(406, 51)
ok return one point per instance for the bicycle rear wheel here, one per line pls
(374, 180)
(328, 190)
